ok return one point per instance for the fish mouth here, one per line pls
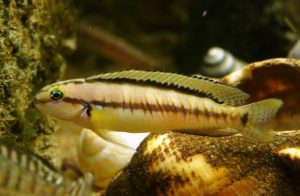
(38, 104)
(37, 101)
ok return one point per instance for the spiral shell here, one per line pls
(295, 51)
(181, 164)
(291, 153)
(104, 158)
(291, 157)
(273, 78)
(219, 62)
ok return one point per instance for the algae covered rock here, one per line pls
(33, 37)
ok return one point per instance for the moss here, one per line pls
(32, 44)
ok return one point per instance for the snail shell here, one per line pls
(295, 51)
(219, 62)
(273, 78)
(291, 153)
(105, 158)
(182, 164)
(291, 157)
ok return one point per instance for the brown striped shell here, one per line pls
(182, 164)
(273, 78)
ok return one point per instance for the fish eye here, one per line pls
(56, 94)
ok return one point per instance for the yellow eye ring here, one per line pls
(56, 94)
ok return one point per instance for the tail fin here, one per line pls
(256, 115)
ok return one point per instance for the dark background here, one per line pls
(176, 34)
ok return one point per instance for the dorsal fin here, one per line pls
(205, 87)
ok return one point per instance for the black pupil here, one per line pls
(56, 94)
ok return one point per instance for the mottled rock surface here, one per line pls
(34, 36)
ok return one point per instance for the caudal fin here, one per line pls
(256, 115)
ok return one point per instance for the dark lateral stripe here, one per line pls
(148, 107)
(159, 85)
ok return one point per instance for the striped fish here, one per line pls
(143, 101)
(23, 173)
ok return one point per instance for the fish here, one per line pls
(137, 101)
(25, 173)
